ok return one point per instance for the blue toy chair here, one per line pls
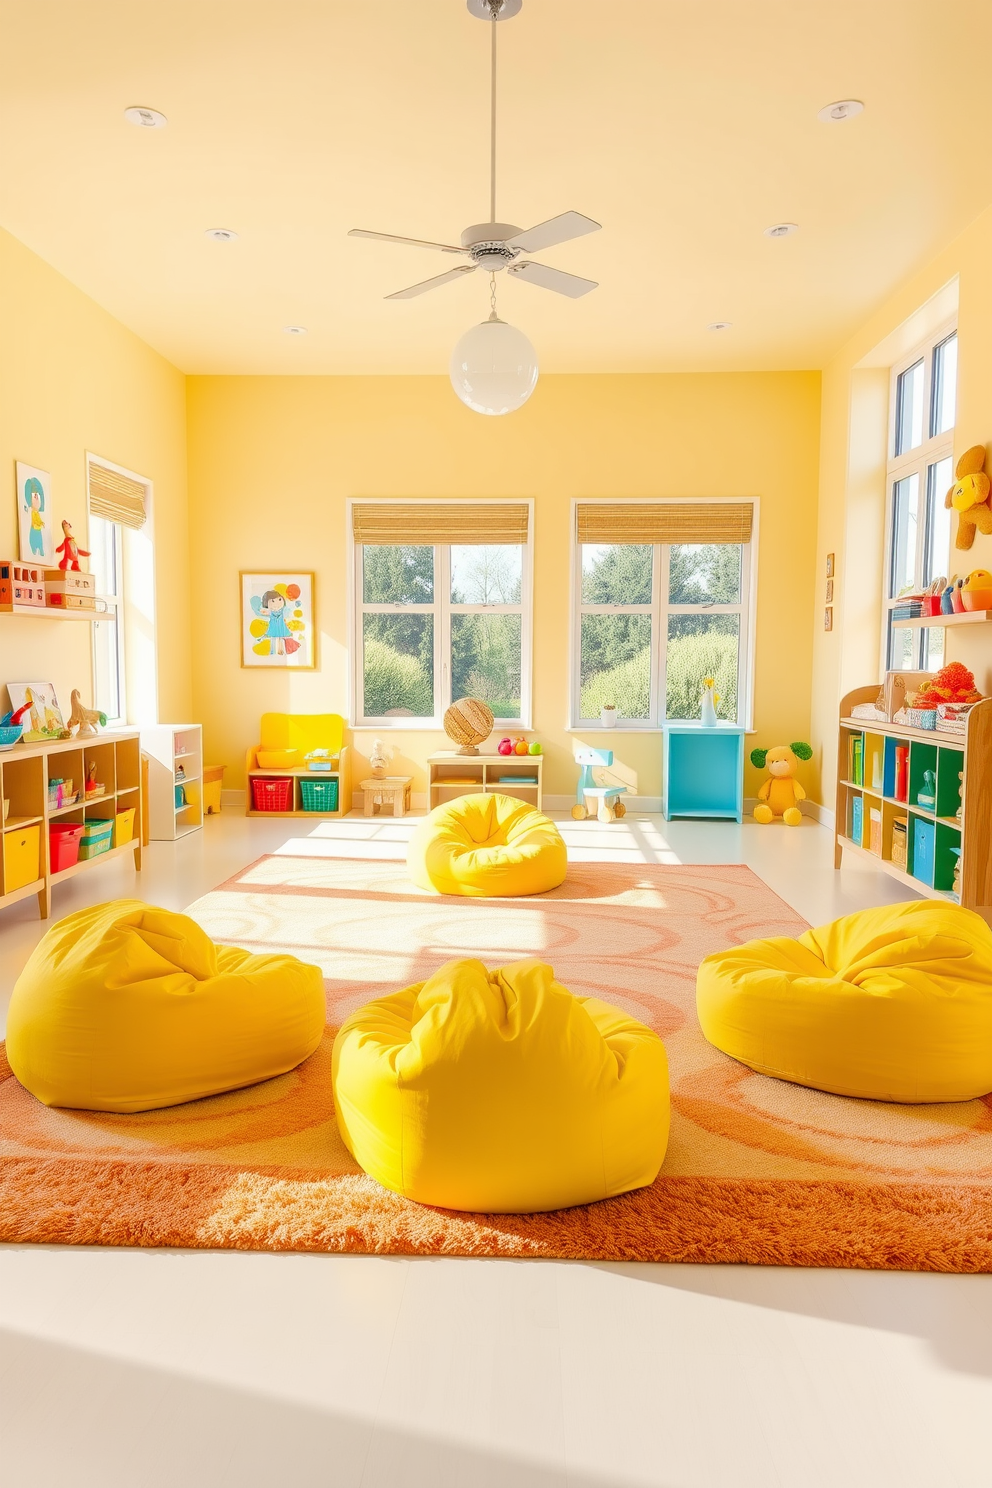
(608, 796)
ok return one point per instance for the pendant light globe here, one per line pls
(493, 368)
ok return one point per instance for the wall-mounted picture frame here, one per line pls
(830, 565)
(828, 619)
(830, 592)
(35, 526)
(277, 620)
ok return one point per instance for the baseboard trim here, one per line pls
(634, 804)
(233, 800)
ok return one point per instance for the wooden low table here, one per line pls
(393, 788)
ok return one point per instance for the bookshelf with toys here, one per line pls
(914, 789)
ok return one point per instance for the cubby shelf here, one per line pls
(956, 828)
(25, 772)
(927, 622)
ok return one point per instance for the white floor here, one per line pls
(168, 1369)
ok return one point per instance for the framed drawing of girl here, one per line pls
(34, 515)
(277, 620)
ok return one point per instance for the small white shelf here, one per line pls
(167, 746)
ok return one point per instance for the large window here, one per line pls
(440, 621)
(920, 471)
(653, 620)
(107, 566)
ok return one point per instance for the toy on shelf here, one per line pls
(534, 747)
(468, 723)
(505, 746)
(520, 745)
(320, 761)
(709, 699)
(976, 593)
(84, 719)
(93, 787)
(70, 549)
(66, 589)
(21, 586)
(781, 794)
(926, 796)
(969, 496)
(608, 796)
(953, 687)
(11, 727)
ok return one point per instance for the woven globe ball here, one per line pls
(467, 723)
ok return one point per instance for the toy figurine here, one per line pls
(505, 746)
(780, 796)
(70, 549)
(85, 718)
(520, 745)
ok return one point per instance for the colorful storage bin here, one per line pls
(63, 844)
(272, 793)
(21, 857)
(319, 795)
(96, 838)
(124, 826)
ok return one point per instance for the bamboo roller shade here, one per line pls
(116, 497)
(428, 522)
(665, 522)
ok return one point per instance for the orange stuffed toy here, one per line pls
(969, 496)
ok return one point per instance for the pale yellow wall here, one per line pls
(852, 479)
(74, 379)
(273, 459)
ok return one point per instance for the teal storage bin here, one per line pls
(703, 770)
(924, 846)
(96, 839)
(319, 795)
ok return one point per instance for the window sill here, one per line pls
(409, 726)
(620, 728)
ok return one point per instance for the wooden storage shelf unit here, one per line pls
(25, 772)
(452, 774)
(175, 764)
(957, 826)
(341, 773)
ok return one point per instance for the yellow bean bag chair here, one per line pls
(891, 1004)
(487, 846)
(126, 1008)
(499, 1091)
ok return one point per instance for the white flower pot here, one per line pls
(608, 717)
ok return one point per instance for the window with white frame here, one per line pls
(107, 567)
(919, 474)
(653, 619)
(436, 621)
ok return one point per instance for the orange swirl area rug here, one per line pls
(757, 1170)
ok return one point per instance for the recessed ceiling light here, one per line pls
(782, 230)
(845, 108)
(221, 234)
(295, 330)
(145, 118)
(719, 325)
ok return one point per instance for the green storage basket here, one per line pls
(97, 837)
(319, 795)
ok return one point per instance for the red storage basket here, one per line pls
(272, 793)
(63, 844)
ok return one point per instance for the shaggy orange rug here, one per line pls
(757, 1170)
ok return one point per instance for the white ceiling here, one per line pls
(684, 126)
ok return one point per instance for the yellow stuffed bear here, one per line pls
(781, 794)
(969, 496)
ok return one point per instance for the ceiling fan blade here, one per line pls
(426, 284)
(361, 232)
(555, 230)
(545, 278)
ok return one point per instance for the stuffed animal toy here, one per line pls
(969, 496)
(780, 796)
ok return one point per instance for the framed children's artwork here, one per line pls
(830, 591)
(34, 515)
(44, 721)
(828, 618)
(830, 565)
(277, 622)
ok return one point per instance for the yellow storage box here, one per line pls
(213, 784)
(21, 857)
(124, 826)
(892, 1004)
(124, 1007)
(499, 1091)
(487, 846)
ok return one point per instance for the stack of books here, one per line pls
(909, 609)
(952, 718)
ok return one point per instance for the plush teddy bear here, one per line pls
(969, 496)
(780, 796)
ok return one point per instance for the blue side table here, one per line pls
(703, 770)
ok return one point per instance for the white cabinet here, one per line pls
(175, 779)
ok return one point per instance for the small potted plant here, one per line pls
(608, 715)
